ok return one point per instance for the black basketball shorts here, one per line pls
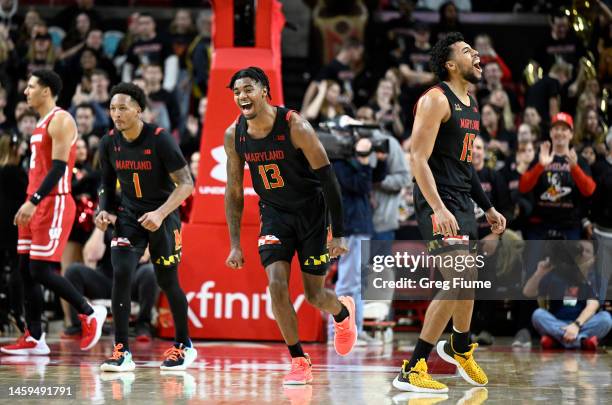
(461, 206)
(165, 244)
(283, 233)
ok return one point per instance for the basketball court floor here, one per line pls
(251, 373)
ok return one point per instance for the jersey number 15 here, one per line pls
(468, 143)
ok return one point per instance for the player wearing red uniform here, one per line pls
(45, 219)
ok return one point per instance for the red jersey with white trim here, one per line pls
(41, 160)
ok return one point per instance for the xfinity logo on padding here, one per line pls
(221, 305)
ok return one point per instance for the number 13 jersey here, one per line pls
(280, 173)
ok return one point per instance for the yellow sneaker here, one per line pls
(467, 366)
(475, 396)
(417, 379)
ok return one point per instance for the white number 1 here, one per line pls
(33, 157)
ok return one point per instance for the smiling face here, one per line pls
(124, 111)
(561, 135)
(250, 97)
(478, 152)
(465, 61)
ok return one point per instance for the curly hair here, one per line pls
(440, 54)
(252, 72)
(130, 89)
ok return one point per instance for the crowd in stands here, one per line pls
(544, 155)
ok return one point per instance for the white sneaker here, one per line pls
(91, 326)
(27, 345)
(179, 358)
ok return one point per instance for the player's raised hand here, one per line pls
(546, 156)
(337, 247)
(496, 220)
(151, 221)
(24, 214)
(445, 222)
(103, 219)
(235, 259)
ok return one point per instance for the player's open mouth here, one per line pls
(246, 107)
(476, 65)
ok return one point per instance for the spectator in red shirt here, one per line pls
(560, 181)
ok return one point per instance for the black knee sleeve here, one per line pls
(167, 277)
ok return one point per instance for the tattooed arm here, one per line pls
(184, 187)
(234, 198)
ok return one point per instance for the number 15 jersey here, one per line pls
(142, 166)
(451, 157)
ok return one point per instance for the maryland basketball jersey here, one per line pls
(451, 158)
(280, 173)
(41, 160)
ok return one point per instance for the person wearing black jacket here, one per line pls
(13, 184)
(601, 216)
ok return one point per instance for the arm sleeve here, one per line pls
(170, 153)
(582, 177)
(478, 193)
(530, 178)
(53, 176)
(107, 192)
(333, 198)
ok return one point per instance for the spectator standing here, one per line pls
(561, 182)
(356, 177)
(340, 70)
(150, 48)
(182, 34)
(13, 184)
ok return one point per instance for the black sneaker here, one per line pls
(178, 357)
(120, 360)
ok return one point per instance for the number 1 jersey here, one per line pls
(142, 166)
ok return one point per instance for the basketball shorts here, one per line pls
(45, 236)
(461, 206)
(283, 233)
(165, 244)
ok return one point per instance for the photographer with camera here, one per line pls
(356, 176)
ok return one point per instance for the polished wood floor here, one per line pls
(251, 373)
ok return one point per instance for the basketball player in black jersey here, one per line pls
(296, 185)
(446, 123)
(155, 180)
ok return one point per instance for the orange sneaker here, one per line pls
(301, 371)
(345, 334)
